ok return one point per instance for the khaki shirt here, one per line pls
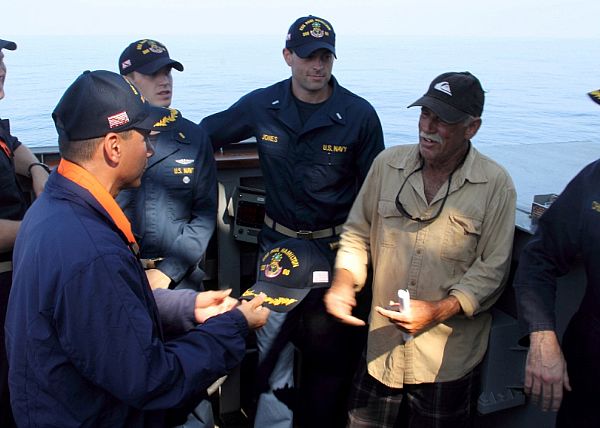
(465, 252)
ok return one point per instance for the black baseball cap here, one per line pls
(5, 44)
(453, 97)
(288, 271)
(147, 57)
(99, 102)
(309, 33)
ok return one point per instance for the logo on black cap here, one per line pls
(289, 270)
(309, 33)
(454, 96)
(146, 56)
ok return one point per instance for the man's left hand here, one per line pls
(422, 314)
(211, 303)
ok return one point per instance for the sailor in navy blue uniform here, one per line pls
(564, 376)
(316, 142)
(173, 213)
(15, 158)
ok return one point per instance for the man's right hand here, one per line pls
(546, 371)
(340, 298)
(255, 314)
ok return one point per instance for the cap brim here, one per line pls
(154, 66)
(442, 110)
(304, 51)
(595, 96)
(279, 299)
(155, 115)
(168, 120)
(5, 44)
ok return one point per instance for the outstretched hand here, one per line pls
(339, 302)
(340, 299)
(211, 303)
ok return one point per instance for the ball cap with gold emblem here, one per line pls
(309, 33)
(99, 102)
(147, 57)
(288, 271)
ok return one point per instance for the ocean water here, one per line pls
(538, 121)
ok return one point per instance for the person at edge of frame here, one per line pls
(564, 377)
(15, 158)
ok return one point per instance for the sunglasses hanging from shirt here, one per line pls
(403, 210)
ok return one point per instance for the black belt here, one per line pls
(303, 234)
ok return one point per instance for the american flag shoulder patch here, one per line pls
(118, 119)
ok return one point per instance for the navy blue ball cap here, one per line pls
(147, 57)
(289, 270)
(453, 97)
(309, 33)
(5, 44)
(99, 102)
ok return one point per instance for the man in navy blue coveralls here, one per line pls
(174, 211)
(316, 142)
(84, 336)
(15, 158)
(569, 229)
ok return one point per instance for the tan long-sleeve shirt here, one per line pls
(465, 253)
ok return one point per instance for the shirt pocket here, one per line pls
(327, 170)
(178, 182)
(391, 224)
(177, 177)
(461, 238)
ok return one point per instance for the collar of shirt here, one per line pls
(471, 170)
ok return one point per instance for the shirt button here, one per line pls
(419, 251)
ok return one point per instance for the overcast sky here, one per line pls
(518, 18)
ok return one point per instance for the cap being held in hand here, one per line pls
(289, 270)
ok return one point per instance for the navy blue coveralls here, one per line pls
(173, 213)
(84, 339)
(570, 228)
(312, 173)
(12, 207)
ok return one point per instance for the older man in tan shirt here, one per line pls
(435, 219)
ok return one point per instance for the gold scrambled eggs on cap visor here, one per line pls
(279, 299)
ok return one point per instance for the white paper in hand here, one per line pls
(404, 306)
